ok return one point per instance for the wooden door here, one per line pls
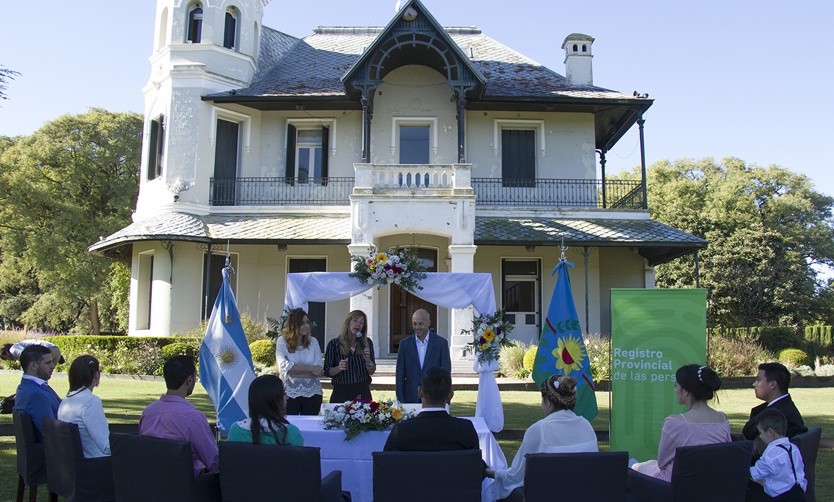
(403, 305)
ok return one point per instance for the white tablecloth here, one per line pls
(354, 458)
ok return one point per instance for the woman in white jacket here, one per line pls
(560, 431)
(84, 408)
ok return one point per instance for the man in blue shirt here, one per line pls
(34, 395)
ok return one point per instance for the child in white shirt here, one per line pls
(780, 468)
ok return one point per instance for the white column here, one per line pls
(463, 261)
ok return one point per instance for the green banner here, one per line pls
(653, 333)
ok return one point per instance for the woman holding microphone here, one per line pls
(349, 360)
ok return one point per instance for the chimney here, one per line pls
(578, 59)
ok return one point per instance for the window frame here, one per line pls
(194, 24)
(396, 122)
(231, 43)
(156, 147)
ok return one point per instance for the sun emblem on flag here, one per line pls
(228, 357)
(569, 354)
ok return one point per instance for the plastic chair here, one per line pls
(149, 469)
(809, 444)
(418, 476)
(714, 472)
(68, 472)
(268, 472)
(31, 464)
(598, 476)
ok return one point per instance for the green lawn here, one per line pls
(125, 398)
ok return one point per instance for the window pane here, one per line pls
(309, 137)
(303, 163)
(229, 35)
(519, 296)
(414, 144)
(315, 164)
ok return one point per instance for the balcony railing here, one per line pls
(622, 194)
(281, 191)
(554, 193)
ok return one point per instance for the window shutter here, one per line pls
(325, 152)
(153, 148)
(229, 34)
(290, 170)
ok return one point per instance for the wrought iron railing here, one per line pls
(252, 191)
(623, 194)
(281, 191)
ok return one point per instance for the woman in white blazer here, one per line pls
(84, 408)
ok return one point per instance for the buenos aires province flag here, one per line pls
(225, 360)
(562, 347)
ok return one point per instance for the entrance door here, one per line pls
(521, 301)
(403, 305)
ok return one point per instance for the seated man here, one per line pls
(34, 395)
(771, 386)
(433, 429)
(172, 417)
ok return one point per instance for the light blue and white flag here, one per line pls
(226, 368)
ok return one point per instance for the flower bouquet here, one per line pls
(361, 416)
(489, 333)
(399, 266)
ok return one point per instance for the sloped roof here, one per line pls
(655, 241)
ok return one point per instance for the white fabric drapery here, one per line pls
(447, 290)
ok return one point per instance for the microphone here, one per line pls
(360, 340)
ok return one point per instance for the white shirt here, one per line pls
(17, 348)
(84, 408)
(560, 432)
(298, 386)
(422, 346)
(774, 467)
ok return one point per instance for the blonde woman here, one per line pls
(560, 431)
(298, 356)
(349, 360)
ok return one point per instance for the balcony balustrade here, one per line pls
(409, 181)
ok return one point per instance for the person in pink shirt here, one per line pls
(172, 417)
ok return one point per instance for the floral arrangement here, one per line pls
(489, 333)
(399, 266)
(361, 416)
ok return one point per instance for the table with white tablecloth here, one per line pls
(354, 458)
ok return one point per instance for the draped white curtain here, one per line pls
(448, 290)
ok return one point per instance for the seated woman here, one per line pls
(560, 431)
(83, 408)
(267, 410)
(694, 386)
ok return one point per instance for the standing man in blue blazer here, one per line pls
(34, 395)
(423, 350)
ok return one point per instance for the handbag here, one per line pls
(7, 404)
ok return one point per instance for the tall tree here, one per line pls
(5, 75)
(767, 228)
(61, 188)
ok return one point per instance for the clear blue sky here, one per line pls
(730, 78)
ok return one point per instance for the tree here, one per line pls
(767, 228)
(5, 75)
(61, 188)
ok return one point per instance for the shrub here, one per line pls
(263, 352)
(191, 348)
(511, 363)
(598, 348)
(530, 358)
(252, 329)
(736, 356)
(793, 358)
(120, 354)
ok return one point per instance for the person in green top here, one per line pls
(268, 410)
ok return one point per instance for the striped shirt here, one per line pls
(356, 371)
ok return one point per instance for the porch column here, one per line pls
(366, 302)
(463, 261)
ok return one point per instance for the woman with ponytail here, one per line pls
(84, 408)
(694, 386)
(560, 431)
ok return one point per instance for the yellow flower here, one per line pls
(396, 414)
(485, 346)
(489, 335)
(381, 258)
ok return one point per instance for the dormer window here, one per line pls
(195, 24)
(230, 33)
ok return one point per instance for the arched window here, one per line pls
(584, 48)
(575, 48)
(230, 33)
(195, 24)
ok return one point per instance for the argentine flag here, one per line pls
(225, 360)
(562, 347)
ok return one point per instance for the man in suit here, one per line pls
(433, 429)
(34, 395)
(771, 386)
(418, 353)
